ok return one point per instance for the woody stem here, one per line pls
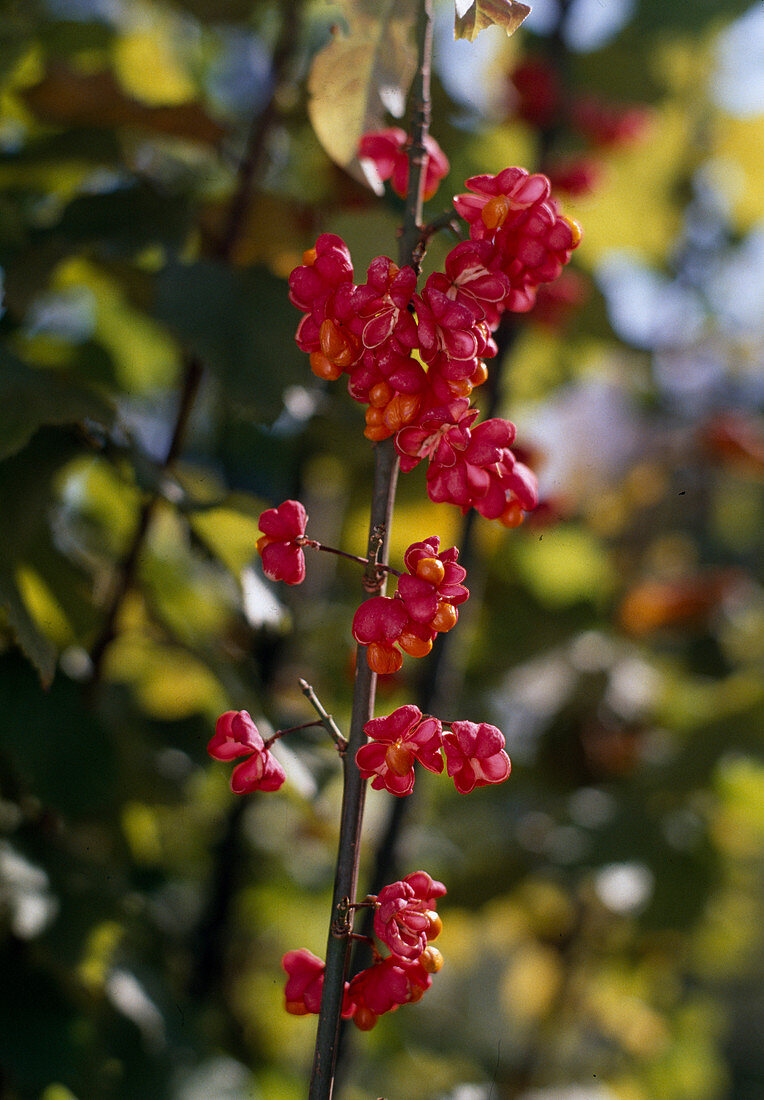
(411, 251)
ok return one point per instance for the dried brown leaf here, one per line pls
(473, 16)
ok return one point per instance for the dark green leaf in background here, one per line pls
(25, 504)
(241, 325)
(30, 398)
(125, 220)
(61, 750)
(653, 14)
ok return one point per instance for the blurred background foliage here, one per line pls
(159, 178)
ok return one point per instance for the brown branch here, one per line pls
(223, 250)
(412, 245)
(259, 132)
(128, 568)
(353, 796)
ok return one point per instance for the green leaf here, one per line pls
(78, 144)
(31, 398)
(218, 11)
(658, 15)
(126, 220)
(360, 76)
(77, 773)
(36, 647)
(241, 325)
(473, 16)
(17, 22)
(66, 97)
(64, 38)
(25, 503)
(40, 1008)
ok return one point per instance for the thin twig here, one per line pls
(449, 219)
(127, 570)
(327, 721)
(292, 729)
(313, 544)
(259, 132)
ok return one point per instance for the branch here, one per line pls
(353, 796)
(441, 683)
(383, 496)
(412, 245)
(193, 367)
(258, 134)
(128, 568)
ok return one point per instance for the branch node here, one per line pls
(341, 926)
(374, 574)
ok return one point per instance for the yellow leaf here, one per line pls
(635, 209)
(359, 77)
(170, 684)
(141, 828)
(567, 566)
(44, 607)
(473, 16)
(102, 942)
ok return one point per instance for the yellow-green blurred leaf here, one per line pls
(635, 208)
(564, 565)
(65, 97)
(170, 683)
(148, 66)
(145, 357)
(231, 531)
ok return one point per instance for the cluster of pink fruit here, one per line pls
(405, 919)
(414, 358)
